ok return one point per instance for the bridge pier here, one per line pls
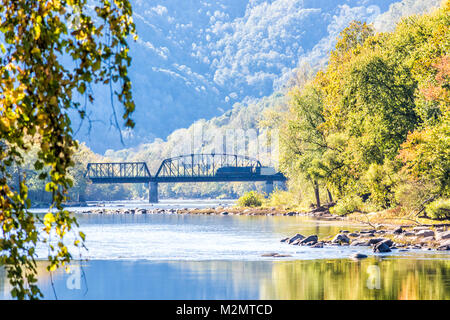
(269, 188)
(153, 192)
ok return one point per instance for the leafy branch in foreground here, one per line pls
(51, 51)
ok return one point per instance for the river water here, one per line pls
(170, 256)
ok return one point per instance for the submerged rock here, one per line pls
(275, 255)
(359, 256)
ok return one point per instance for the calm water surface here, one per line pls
(219, 257)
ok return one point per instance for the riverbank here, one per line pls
(381, 240)
(383, 233)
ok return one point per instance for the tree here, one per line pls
(52, 51)
(305, 149)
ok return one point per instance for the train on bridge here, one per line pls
(188, 168)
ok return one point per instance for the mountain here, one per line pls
(246, 116)
(196, 59)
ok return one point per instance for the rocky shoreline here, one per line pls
(381, 240)
(322, 213)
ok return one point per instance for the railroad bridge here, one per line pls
(188, 168)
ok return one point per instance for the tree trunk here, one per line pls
(330, 197)
(316, 192)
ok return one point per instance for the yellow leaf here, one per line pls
(49, 219)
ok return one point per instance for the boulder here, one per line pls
(290, 214)
(284, 240)
(425, 233)
(444, 245)
(409, 234)
(381, 247)
(367, 231)
(317, 245)
(360, 242)
(354, 235)
(398, 230)
(388, 242)
(340, 237)
(375, 240)
(426, 240)
(311, 239)
(443, 235)
(298, 236)
(417, 229)
(224, 213)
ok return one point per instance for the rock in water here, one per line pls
(381, 247)
(273, 254)
(444, 245)
(363, 243)
(340, 238)
(388, 242)
(309, 240)
(375, 240)
(359, 256)
(298, 236)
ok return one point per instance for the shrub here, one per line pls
(439, 209)
(282, 199)
(347, 205)
(251, 199)
(410, 195)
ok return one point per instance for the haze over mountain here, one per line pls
(196, 59)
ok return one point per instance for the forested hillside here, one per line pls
(195, 59)
(372, 129)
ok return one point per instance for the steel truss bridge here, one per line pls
(188, 168)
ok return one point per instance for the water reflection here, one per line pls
(374, 278)
(426, 277)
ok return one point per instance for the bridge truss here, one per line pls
(188, 168)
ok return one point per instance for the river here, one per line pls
(170, 256)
